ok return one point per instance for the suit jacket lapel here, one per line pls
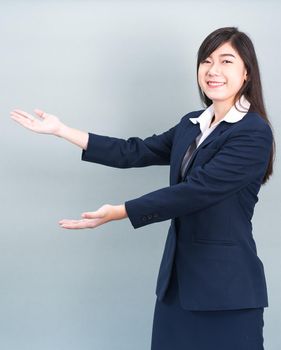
(214, 134)
(188, 136)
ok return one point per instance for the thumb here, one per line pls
(92, 215)
(39, 112)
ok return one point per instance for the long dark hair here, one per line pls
(251, 88)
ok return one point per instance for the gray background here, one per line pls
(120, 69)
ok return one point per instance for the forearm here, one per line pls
(129, 153)
(75, 136)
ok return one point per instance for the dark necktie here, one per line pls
(187, 157)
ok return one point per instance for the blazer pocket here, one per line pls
(203, 241)
(213, 225)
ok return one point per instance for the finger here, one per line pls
(76, 224)
(73, 222)
(20, 117)
(67, 221)
(40, 113)
(71, 225)
(92, 215)
(23, 121)
(22, 113)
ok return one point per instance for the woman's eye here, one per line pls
(206, 61)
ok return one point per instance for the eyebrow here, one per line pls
(225, 54)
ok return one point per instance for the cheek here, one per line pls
(200, 77)
(239, 82)
(235, 79)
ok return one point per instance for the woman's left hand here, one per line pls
(94, 219)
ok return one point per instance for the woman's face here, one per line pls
(222, 74)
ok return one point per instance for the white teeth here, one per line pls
(215, 84)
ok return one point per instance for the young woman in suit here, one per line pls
(211, 288)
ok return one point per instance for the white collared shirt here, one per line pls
(232, 116)
(204, 119)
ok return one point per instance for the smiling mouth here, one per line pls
(214, 84)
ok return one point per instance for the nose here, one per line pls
(214, 69)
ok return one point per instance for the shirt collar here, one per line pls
(232, 116)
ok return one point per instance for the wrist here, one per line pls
(61, 131)
(120, 212)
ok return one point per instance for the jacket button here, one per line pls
(149, 217)
(144, 218)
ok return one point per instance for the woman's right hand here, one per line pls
(44, 124)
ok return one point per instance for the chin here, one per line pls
(217, 97)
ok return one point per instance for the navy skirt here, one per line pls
(175, 328)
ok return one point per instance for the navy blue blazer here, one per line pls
(210, 237)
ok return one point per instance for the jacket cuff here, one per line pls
(137, 217)
(87, 153)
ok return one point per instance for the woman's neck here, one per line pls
(220, 110)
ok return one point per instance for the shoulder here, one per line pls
(255, 122)
(252, 129)
(193, 114)
(252, 121)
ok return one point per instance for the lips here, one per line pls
(215, 83)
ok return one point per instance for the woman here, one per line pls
(211, 288)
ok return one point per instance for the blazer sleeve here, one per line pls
(133, 152)
(242, 159)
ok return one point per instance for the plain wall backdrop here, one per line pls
(117, 68)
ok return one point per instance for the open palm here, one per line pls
(91, 219)
(44, 124)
